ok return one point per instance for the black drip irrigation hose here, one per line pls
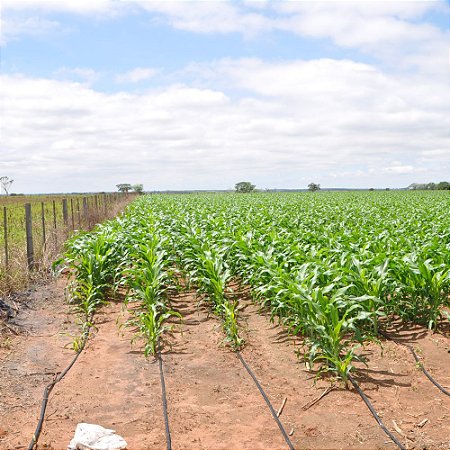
(422, 368)
(261, 390)
(375, 415)
(48, 389)
(441, 388)
(164, 399)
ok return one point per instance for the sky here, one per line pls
(204, 94)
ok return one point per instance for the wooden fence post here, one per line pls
(29, 234)
(65, 213)
(54, 223)
(86, 211)
(78, 213)
(43, 225)
(5, 235)
(71, 212)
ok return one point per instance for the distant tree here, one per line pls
(138, 188)
(244, 187)
(6, 183)
(313, 187)
(443, 186)
(124, 187)
(371, 189)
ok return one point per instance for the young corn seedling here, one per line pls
(150, 323)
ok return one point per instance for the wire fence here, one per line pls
(33, 231)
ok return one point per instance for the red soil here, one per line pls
(212, 401)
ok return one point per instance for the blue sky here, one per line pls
(201, 95)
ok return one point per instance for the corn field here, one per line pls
(333, 268)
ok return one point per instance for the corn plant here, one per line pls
(422, 291)
(90, 260)
(147, 280)
(150, 323)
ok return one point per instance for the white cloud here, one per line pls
(136, 75)
(313, 120)
(399, 168)
(392, 31)
(437, 154)
(72, 6)
(28, 17)
(209, 16)
(387, 30)
(12, 28)
(81, 74)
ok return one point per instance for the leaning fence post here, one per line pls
(65, 213)
(5, 235)
(29, 235)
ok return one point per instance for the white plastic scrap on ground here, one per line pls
(94, 437)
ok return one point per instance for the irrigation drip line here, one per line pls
(48, 389)
(261, 390)
(418, 361)
(428, 375)
(375, 415)
(164, 399)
